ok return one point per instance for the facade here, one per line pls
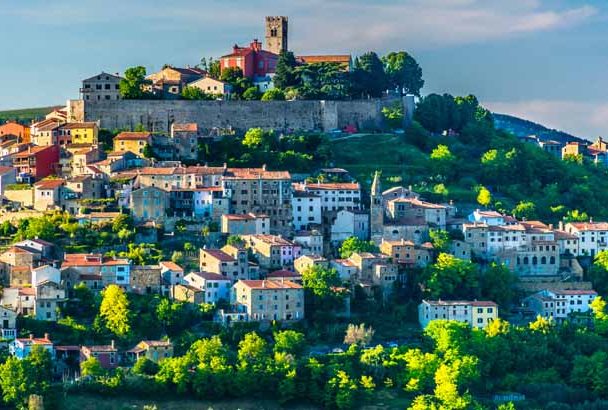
(21, 348)
(134, 142)
(107, 355)
(8, 323)
(36, 162)
(253, 61)
(307, 261)
(306, 210)
(154, 350)
(170, 81)
(407, 253)
(259, 191)
(12, 128)
(101, 87)
(215, 287)
(248, 224)
(335, 196)
(310, 241)
(273, 251)
(212, 86)
(592, 236)
(230, 262)
(349, 223)
(149, 203)
(559, 305)
(434, 214)
(184, 139)
(476, 313)
(269, 300)
(276, 34)
(79, 133)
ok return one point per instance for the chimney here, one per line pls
(590, 219)
(112, 343)
(561, 225)
(225, 166)
(31, 336)
(264, 167)
(46, 336)
(551, 226)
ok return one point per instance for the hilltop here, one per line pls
(521, 127)
(26, 115)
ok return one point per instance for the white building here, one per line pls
(306, 208)
(334, 195)
(216, 287)
(592, 236)
(311, 242)
(350, 223)
(560, 304)
(476, 313)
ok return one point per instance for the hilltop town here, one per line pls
(184, 233)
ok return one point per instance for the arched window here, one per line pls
(552, 260)
(526, 260)
(518, 260)
(534, 260)
(543, 260)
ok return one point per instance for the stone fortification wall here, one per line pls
(157, 115)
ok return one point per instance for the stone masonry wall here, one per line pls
(157, 115)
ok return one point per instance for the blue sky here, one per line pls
(544, 60)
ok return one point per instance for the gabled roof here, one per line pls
(49, 184)
(103, 73)
(210, 276)
(269, 284)
(186, 127)
(132, 136)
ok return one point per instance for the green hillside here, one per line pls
(522, 179)
(26, 114)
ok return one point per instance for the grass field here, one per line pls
(363, 154)
(26, 114)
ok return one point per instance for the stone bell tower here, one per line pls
(376, 211)
(276, 34)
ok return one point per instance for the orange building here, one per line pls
(14, 128)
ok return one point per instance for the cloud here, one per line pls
(331, 25)
(583, 119)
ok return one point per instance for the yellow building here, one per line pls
(154, 350)
(82, 132)
(132, 141)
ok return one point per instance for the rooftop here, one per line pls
(269, 284)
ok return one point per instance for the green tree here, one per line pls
(484, 196)
(498, 285)
(356, 245)
(285, 75)
(451, 278)
(368, 76)
(195, 93)
(393, 115)
(289, 341)
(145, 366)
(403, 72)
(251, 94)
(114, 310)
(320, 280)
(91, 367)
(592, 372)
(122, 221)
(440, 239)
(131, 87)
(148, 151)
(214, 70)
(14, 381)
(274, 94)
(598, 273)
(256, 138)
(235, 240)
(525, 209)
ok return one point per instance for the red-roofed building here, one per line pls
(107, 355)
(253, 61)
(269, 299)
(37, 162)
(20, 131)
(132, 141)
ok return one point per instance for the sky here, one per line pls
(543, 60)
